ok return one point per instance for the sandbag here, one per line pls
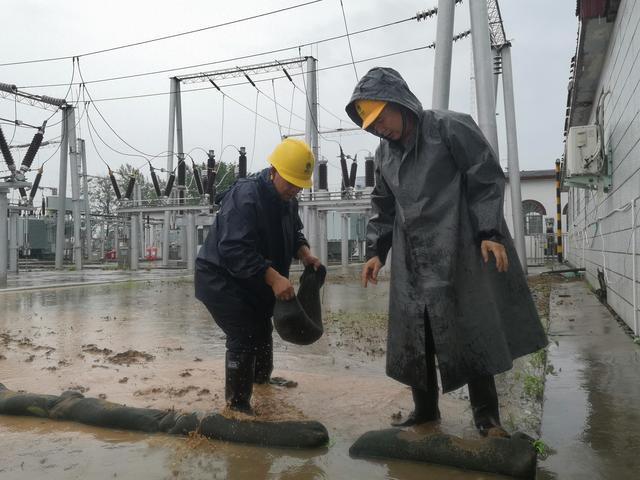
(299, 320)
(76, 407)
(515, 457)
(290, 434)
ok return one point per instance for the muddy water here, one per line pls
(58, 339)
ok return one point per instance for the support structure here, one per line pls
(62, 188)
(482, 64)
(344, 246)
(512, 156)
(87, 208)
(75, 190)
(134, 242)
(191, 241)
(444, 47)
(4, 208)
(13, 241)
(311, 117)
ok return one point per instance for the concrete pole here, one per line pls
(311, 123)
(497, 61)
(191, 241)
(62, 189)
(75, 190)
(87, 207)
(512, 156)
(483, 71)
(344, 243)
(133, 242)
(444, 46)
(4, 207)
(165, 238)
(172, 124)
(322, 236)
(13, 242)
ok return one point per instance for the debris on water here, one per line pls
(123, 380)
(93, 348)
(130, 356)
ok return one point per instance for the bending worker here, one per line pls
(454, 296)
(244, 263)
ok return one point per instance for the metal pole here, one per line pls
(311, 124)
(62, 189)
(322, 234)
(191, 241)
(165, 238)
(140, 218)
(184, 248)
(497, 70)
(13, 242)
(512, 156)
(444, 46)
(75, 190)
(172, 124)
(483, 71)
(133, 242)
(558, 214)
(344, 244)
(87, 207)
(4, 207)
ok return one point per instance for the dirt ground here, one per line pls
(151, 344)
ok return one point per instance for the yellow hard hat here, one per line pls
(369, 110)
(294, 161)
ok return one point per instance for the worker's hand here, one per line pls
(311, 260)
(282, 288)
(502, 262)
(370, 271)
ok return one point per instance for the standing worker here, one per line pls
(244, 263)
(454, 296)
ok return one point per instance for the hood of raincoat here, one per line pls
(386, 84)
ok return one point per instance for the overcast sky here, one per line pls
(543, 34)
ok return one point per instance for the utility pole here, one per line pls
(62, 187)
(87, 206)
(311, 117)
(444, 47)
(75, 190)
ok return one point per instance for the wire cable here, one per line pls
(344, 17)
(275, 105)
(165, 37)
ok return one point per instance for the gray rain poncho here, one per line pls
(434, 202)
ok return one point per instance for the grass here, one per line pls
(534, 387)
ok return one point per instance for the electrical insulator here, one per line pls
(33, 149)
(23, 193)
(154, 179)
(345, 173)
(114, 183)
(242, 163)
(182, 171)
(36, 183)
(205, 184)
(132, 182)
(354, 172)
(369, 178)
(322, 176)
(44, 206)
(6, 153)
(167, 190)
(197, 178)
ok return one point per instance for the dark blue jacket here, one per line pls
(253, 230)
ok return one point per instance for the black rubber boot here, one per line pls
(239, 373)
(484, 404)
(426, 408)
(264, 363)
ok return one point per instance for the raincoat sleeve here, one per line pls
(299, 238)
(380, 226)
(483, 177)
(238, 234)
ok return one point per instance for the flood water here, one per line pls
(58, 339)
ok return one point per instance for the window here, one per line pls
(533, 212)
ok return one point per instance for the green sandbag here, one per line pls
(76, 407)
(299, 320)
(292, 434)
(515, 457)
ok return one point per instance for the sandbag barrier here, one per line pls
(515, 457)
(76, 407)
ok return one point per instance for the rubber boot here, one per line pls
(239, 373)
(426, 408)
(484, 404)
(264, 363)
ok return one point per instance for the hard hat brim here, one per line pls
(373, 115)
(295, 181)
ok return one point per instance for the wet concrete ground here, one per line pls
(69, 338)
(591, 418)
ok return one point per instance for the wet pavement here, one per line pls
(591, 419)
(55, 339)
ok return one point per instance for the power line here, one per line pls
(233, 59)
(344, 17)
(165, 37)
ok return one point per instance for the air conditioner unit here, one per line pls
(584, 152)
